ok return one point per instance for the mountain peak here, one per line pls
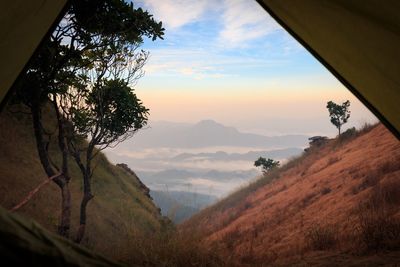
(211, 127)
(209, 122)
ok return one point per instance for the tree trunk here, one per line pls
(33, 192)
(87, 189)
(65, 220)
(61, 181)
(41, 144)
(82, 221)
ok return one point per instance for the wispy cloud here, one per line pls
(201, 64)
(239, 21)
(215, 44)
(188, 62)
(244, 21)
(177, 13)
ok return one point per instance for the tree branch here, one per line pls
(33, 192)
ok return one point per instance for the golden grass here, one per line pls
(307, 206)
(124, 224)
(378, 224)
(321, 237)
(118, 208)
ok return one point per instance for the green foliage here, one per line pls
(113, 16)
(339, 114)
(86, 70)
(266, 164)
(111, 109)
(90, 30)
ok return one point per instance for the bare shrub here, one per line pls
(355, 173)
(321, 237)
(231, 238)
(309, 199)
(332, 160)
(387, 195)
(173, 248)
(355, 190)
(369, 180)
(378, 227)
(378, 230)
(373, 176)
(366, 127)
(349, 134)
(325, 190)
(388, 167)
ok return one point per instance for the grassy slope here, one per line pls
(270, 221)
(119, 210)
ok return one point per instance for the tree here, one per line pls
(91, 30)
(339, 113)
(266, 164)
(112, 114)
(103, 113)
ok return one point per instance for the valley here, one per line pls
(202, 159)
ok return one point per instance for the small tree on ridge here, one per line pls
(266, 164)
(339, 114)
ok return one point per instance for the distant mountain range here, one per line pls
(205, 157)
(179, 205)
(209, 182)
(179, 175)
(206, 133)
(251, 155)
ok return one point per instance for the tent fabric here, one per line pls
(357, 40)
(23, 240)
(23, 24)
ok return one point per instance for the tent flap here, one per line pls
(23, 24)
(358, 41)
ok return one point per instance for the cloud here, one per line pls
(204, 64)
(187, 71)
(239, 21)
(177, 13)
(188, 62)
(243, 21)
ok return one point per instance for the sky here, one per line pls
(229, 61)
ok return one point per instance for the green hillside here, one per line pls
(120, 209)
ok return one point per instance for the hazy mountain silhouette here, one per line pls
(200, 157)
(179, 205)
(251, 155)
(179, 175)
(206, 133)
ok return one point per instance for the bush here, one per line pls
(309, 199)
(378, 227)
(366, 127)
(348, 134)
(378, 230)
(321, 238)
(325, 190)
(332, 160)
(172, 248)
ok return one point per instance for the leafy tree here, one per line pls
(266, 164)
(339, 113)
(88, 37)
(105, 112)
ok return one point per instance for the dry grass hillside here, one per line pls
(120, 209)
(336, 205)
